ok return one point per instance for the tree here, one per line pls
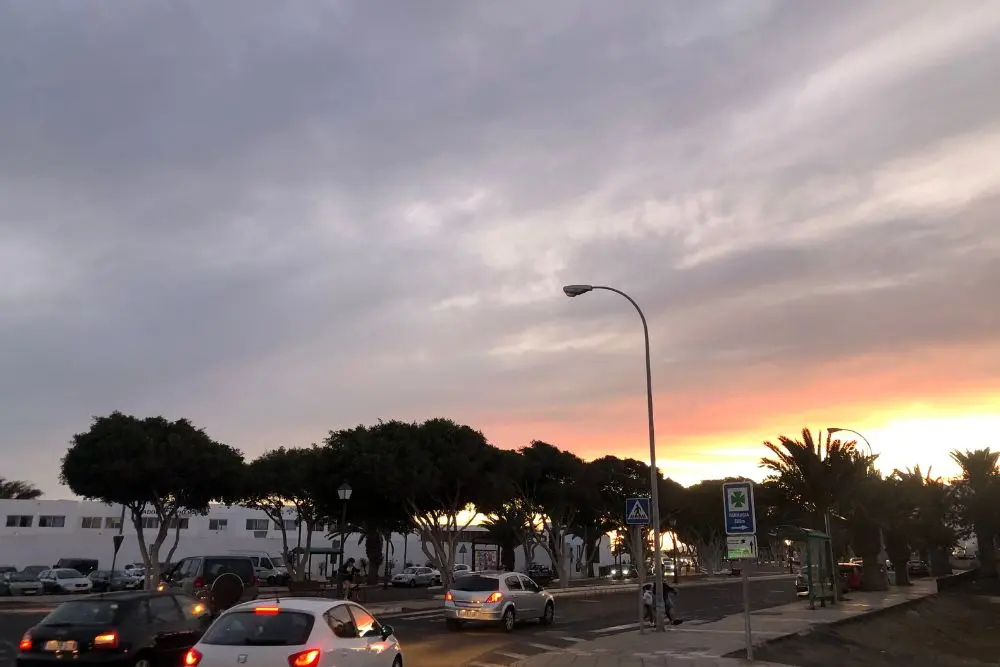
(548, 482)
(700, 522)
(932, 530)
(616, 480)
(508, 526)
(977, 496)
(155, 468)
(14, 489)
(374, 509)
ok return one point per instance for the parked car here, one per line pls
(219, 581)
(299, 632)
(105, 580)
(460, 570)
(35, 570)
(82, 565)
(918, 568)
(139, 629)
(503, 597)
(19, 583)
(64, 580)
(4, 569)
(415, 576)
(540, 573)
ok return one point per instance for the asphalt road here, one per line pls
(428, 643)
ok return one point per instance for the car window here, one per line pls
(266, 564)
(409, 570)
(513, 583)
(241, 567)
(476, 584)
(365, 623)
(85, 612)
(529, 584)
(341, 622)
(251, 628)
(163, 609)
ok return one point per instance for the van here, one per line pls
(82, 565)
(271, 570)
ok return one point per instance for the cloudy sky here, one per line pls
(276, 219)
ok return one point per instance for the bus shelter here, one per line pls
(818, 573)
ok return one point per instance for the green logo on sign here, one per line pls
(738, 500)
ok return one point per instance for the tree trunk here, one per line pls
(987, 555)
(939, 562)
(373, 552)
(508, 559)
(177, 540)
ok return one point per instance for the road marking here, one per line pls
(680, 628)
(615, 628)
(545, 647)
(572, 639)
(407, 616)
(511, 654)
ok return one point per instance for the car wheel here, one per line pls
(508, 619)
(549, 614)
(142, 660)
(453, 624)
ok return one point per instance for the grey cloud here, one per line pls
(224, 187)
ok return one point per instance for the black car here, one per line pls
(918, 568)
(137, 629)
(105, 581)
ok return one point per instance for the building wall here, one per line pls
(83, 529)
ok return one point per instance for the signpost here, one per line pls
(741, 540)
(637, 516)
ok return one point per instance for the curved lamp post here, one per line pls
(654, 491)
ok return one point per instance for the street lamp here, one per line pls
(677, 569)
(654, 491)
(871, 463)
(344, 493)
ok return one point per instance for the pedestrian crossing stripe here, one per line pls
(637, 514)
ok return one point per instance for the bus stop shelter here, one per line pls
(818, 571)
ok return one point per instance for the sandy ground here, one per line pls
(958, 628)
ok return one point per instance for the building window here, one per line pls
(290, 524)
(218, 524)
(150, 522)
(51, 521)
(257, 524)
(91, 522)
(19, 520)
(113, 522)
(181, 521)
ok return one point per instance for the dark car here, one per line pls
(918, 568)
(137, 629)
(105, 581)
(82, 565)
(220, 581)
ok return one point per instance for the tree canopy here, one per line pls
(15, 489)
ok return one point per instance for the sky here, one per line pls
(279, 219)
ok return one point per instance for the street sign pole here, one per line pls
(741, 524)
(639, 562)
(637, 516)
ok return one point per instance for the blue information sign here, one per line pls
(741, 519)
(637, 511)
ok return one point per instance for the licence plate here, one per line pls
(468, 613)
(55, 645)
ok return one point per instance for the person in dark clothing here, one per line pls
(669, 602)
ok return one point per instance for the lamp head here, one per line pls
(576, 290)
(834, 429)
(344, 492)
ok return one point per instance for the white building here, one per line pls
(40, 532)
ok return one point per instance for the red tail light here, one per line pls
(270, 611)
(106, 640)
(495, 597)
(199, 582)
(255, 582)
(309, 658)
(25, 644)
(192, 658)
(448, 597)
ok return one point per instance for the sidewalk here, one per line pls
(704, 645)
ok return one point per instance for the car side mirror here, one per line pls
(386, 631)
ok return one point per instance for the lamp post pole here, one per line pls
(654, 490)
(344, 493)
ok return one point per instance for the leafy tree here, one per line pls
(374, 510)
(616, 480)
(151, 466)
(700, 522)
(14, 489)
(508, 526)
(548, 483)
(933, 532)
(977, 496)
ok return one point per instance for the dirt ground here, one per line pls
(957, 628)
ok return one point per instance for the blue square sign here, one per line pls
(741, 519)
(637, 511)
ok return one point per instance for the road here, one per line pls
(428, 643)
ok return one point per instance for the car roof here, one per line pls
(306, 604)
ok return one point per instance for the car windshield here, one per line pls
(248, 628)
(84, 612)
(68, 574)
(410, 570)
(22, 576)
(476, 584)
(277, 561)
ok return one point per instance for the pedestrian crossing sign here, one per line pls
(637, 511)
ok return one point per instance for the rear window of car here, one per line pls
(86, 612)
(249, 628)
(476, 584)
(241, 567)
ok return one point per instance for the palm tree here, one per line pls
(17, 490)
(977, 495)
(508, 526)
(932, 531)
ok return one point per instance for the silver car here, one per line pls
(415, 576)
(18, 583)
(497, 597)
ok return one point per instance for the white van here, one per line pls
(271, 570)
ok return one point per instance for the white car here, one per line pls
(299, 632)
(416, 576)
(64, 580)
(460, 570)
